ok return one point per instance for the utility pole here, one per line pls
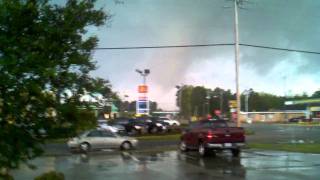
(236, 38)
(221, 101)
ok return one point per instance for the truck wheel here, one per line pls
(235, 152)
(202, 150)
(183, 147)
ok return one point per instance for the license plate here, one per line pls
(227, 144)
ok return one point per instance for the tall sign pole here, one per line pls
(143, 104)
(236, 36)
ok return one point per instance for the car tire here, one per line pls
(85, 147)
(235, 152)
(183, 147)
(202, 150)
(126, 146)
(154, 130)
(134, 132)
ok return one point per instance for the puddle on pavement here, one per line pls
(169, 165)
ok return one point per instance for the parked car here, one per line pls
(101, 139)
(154, 125)
(116, 128)
(170, 121)
(132, 126)
(299, 119)
(212, 135)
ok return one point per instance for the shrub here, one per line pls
(52, 175)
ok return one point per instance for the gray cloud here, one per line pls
(285, 24)
(280, 23)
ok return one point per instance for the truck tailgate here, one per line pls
(228, 135)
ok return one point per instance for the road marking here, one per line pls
(131, 156)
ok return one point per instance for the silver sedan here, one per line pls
(101, 139)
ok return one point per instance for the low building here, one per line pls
(276, 116)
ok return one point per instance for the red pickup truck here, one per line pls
(212, 135)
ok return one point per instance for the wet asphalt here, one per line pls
(145, 164)
(115, 165)
(263, 133)
(279, 133)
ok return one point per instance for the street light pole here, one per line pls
(236, 36)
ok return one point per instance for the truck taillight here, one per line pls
(210, 135)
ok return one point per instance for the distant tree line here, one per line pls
(201, 101)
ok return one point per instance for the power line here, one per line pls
(161, 47)
(206, 45)
(279, 49)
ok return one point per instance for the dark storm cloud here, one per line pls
(290, 24)
(277, 23)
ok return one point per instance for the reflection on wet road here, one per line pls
(175, 165)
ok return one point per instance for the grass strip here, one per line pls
(160, 137)
(58, 140)
(302, 148)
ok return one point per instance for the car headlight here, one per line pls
(158, 124)
(137, 127)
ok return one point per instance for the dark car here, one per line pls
(155, 126)
(132, 126)
(211, 136)
(299, 119)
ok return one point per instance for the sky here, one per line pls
(292, 24)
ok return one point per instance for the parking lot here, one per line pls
(175, 165)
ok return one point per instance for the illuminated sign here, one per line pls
(143, 89)
(142, 105)
(232, 103)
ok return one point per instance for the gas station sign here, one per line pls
(143, 89)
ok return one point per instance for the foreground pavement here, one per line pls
(117, 165)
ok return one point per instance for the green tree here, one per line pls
(43, 56)
(316, 94)
(199, 101)
(185, 93)
(153, 106)
(219, 99)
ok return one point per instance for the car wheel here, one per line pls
(202, 150)
(85, 147)
(154, 130)
(134, 132)
(235, 152)
(183, 147)
(126, 146)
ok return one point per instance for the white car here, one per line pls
(103, 124)
(171, 122)
(101, 139)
